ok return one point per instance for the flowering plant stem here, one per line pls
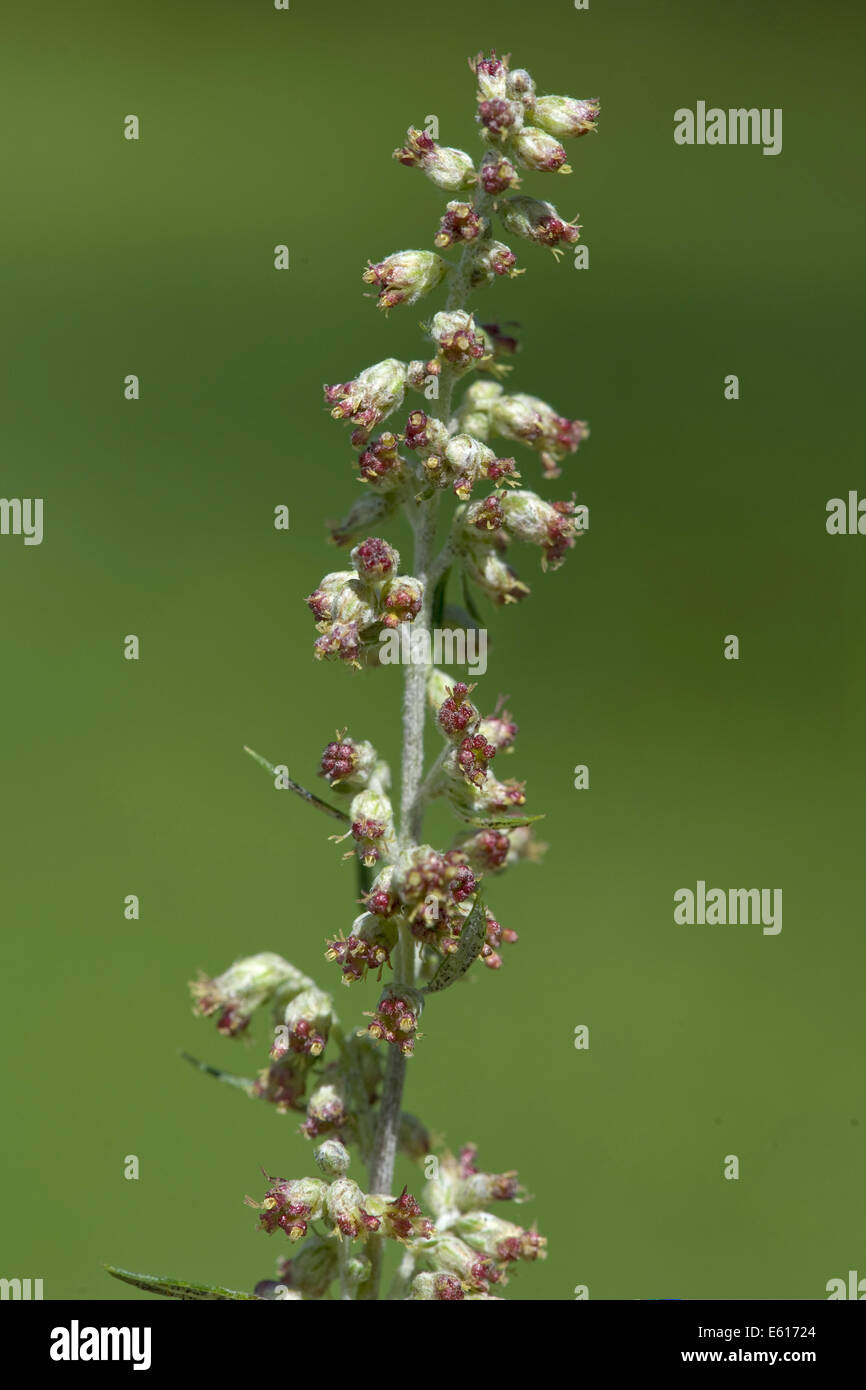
(426, 915)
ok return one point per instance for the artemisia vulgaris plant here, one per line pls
(428, 914)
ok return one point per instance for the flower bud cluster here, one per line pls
(405, 277)
(523, 418)
(245, 987)
(395, 1019)
(337, 1200)
(526, 517)
(353, 606)
(367, 947)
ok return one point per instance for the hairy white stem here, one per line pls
(423, 516)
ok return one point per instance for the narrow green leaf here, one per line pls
(180, 1288)
(438, 606)
(469, 945)
(296, 787)
(244, 1083)
(503, 822)
(469, 600)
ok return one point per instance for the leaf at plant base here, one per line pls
(469, 943)
(181, 1288)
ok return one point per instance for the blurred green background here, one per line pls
(707, 517)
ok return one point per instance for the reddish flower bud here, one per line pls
(372, 395)
(348, 765)
(457, 338)
(537, 221)
(374, 559)
(491, 73)
(448, 169)
(497, 174)
(380, 463)
(396, 1017)
(474, 757)
(500, 119)
(405, 277)
(535, 149)
(291, 1206)
(326, 1110)
(460, 223)
(565, 116)
(457, 713)
(428, 1287)
(535, 423)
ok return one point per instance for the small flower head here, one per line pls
(474, 411)
(345, 1204)
(565, 117)
(535, 149)
(372, 825)
(305, 1026)
(492, 575)
(401, 600)
(449, 169)
(459, 1185)
(451, 1255)
(243, 988)
(367, 947)
(348, 765)
(534, 423)
(457, 339)
(332, 1158)
(537, 221)
(500, 730)
(291, 1206)
(491, 74)
(401, 1217)
(423, 434)
(380, 464)
(374, 560)
(327, 1109)
(520, 86)
(371, 396)
(284, 1082)
(405, 277)
(497, 174)
(396, 1017)
(486, 850)
(429, 1287)
(499, 1239)
(487, 515)
(499, 119)
(474, 755)
(493, 259)
(460, 223)
(457, 713)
